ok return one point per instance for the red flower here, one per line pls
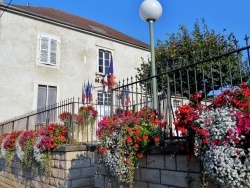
(156, 139)
(139, 155)
(136, 145)
(127, 160)
(145, 137)
(128, 140)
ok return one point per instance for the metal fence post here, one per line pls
(112, 102)
(27, 123)
(12, 128)
(72, 121)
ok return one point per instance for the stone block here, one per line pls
(152, 185)
(150, 175)
(75, 173)
(155, 161)
(59, 173)
(182, 164)
(99, 181)
(140, 184)
(58, 155)
(63, 183)
(137, 176)
(174, 178)
(170, 162)
(52, 181)
(143, 162)
(61, 164)
(75, 155)
(81, 163)
(83, 182)
(92, 162)
(88, 172)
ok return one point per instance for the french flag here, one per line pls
(111, 73)
(91, 94)
(88, 91)
(83, 93)
(106, 83)
(127, 96)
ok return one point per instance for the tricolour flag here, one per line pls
(105, 83)
(83, 93)
(91, 93)
(111, 73)
(88, 92)
(127, 97)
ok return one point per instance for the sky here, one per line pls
(232, 15)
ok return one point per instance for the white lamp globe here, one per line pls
(150, 10)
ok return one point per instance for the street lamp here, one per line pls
(150, 11)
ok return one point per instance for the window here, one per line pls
(45, 99)
(48, 50)
(103, 98)
(104, 59)
(176, 103)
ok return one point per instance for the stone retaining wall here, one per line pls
(76, 167)
(72, 166)
(159, 171)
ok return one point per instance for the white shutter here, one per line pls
(49, 47)
(53, 51)
(44, 49)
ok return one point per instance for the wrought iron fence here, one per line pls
(54, 114)
(178, 80)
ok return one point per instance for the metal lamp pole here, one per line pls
(150, 11)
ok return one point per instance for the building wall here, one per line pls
(20, 74)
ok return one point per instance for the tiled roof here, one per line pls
(79, 22)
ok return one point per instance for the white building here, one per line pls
(47, 54)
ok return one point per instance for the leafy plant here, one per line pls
(222, 132)
(125, 139)
(185, 48)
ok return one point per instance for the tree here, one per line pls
(187, 49)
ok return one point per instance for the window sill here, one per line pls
(48, 66)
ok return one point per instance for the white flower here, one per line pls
(3, 150)
(36, 151)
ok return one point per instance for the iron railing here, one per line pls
(184, 79)
(50, 114)
(175, 87)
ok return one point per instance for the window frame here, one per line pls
(52, 114)
(106, 98)
(105, 61)
(176, 103)
(52, 48)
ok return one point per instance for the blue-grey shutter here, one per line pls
(44, 49)
(53, 51)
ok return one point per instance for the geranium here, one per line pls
(87, 115)
(24, 145)
(222, 132)
(47, 139)
(65, 117)
(124, 139)
(4, 138)
(8, 146)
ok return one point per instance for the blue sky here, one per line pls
(232, 15)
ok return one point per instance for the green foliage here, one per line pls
(185, 48)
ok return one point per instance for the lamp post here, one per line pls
(150, 11)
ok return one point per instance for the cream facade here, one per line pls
(77, 59)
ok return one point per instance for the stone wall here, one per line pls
(159, 171)
(72, 166)
(76, 167)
